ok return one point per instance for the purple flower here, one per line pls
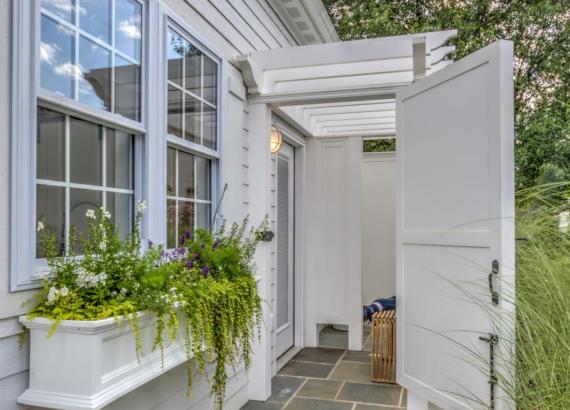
(184, 237)
(150, 243)
(205, 271)
(190, 263)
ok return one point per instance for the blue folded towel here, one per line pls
(377, 306)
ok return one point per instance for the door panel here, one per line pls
(456, 196)
(285, 264)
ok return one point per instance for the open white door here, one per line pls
(456, 216)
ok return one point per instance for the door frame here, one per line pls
(294, 138)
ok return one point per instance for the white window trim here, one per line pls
(26, 95)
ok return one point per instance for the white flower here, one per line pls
(102, 246)
(141, 207)
(106, 214)
(90, 214)
(64, 291)
(40, 226)
(123, 291)
(52, 294)
(103, 276)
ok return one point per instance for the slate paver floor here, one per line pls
(327, 378)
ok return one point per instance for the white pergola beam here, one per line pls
(345, 88)
(350, 128)
(373, 133)
(361, 115)
(343, 122)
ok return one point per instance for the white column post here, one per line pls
(260, 206)
(354, 244)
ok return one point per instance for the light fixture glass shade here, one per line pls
(276, 139)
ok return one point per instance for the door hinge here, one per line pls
(494, 272)
(492, 340)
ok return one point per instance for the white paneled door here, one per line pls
(284, 304)
(455, 231)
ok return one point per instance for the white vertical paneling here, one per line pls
(333, 229)
(378, 226)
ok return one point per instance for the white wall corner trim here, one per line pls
(23, 129)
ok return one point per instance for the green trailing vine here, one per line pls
(204, 290)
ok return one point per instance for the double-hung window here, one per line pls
(85, 109)
(192, 129)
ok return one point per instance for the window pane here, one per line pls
(119, 147)
(121, 208)
(210, 80)
(185, 217)
(185, 175)
(176, 46)
(209, 118)
(170, 172)
(202, 178)
(50, 145)
(81, 200)
(95, 18)
(171, 223)
(193, 69)
(174, 111)
(203, 216)
(86, 146)
(50, 210)
(95, 80)
(127, 89)
(192, 118)
(61, 8)
(57, 67)
(128, 27)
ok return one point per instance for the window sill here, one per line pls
(89, 364)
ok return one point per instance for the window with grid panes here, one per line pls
(91, 52)
(192, 89)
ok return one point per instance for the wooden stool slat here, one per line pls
(384, 347)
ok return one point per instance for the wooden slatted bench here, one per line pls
(384, 347)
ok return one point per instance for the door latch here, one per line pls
(494, 272)
(492, 340)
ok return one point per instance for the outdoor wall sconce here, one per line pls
(276, 139)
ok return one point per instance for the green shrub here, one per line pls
(209, 279)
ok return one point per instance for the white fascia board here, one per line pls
(380, 48)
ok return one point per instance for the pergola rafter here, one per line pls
(344, 88)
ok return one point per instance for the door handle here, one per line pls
(492, 340)
(494, 272)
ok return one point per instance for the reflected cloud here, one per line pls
(131, 27)
(63, 6)
(47, 52)
(68, 69)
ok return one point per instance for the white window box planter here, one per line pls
(89, 364)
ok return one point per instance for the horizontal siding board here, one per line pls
(239, 24)
(274, 17)
(221, 25)
(10, 388)
(260, 22)
(13, 360)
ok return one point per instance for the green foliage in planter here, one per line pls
(209, 280)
